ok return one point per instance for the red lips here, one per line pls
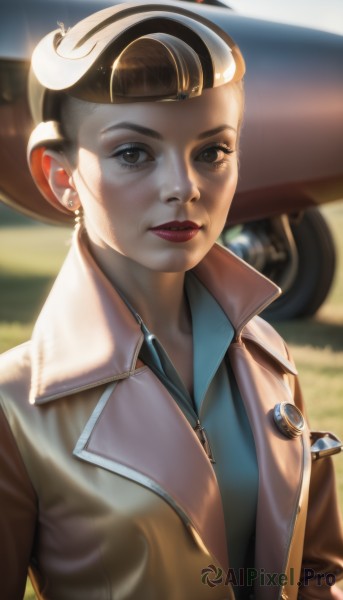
(176, 231)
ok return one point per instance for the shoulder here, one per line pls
(15, 375)
(263, 335)
(261, 331)
(15, 362)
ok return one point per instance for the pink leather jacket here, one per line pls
(106, 491)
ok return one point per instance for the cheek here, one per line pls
(128, 189)
(87, 177)
(223, 187)
(220, 200)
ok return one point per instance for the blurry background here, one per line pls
(31, 254)
(326, 15)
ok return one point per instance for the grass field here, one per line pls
(31, 255)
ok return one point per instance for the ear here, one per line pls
(58, 175)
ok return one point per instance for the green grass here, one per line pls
(317, 347)
(29, 593)
(29, 260)
(31, 255)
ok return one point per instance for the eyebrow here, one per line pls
(154, 134)
(134, 127)
(216, 130)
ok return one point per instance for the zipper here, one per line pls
(202, 437)
(190, 413)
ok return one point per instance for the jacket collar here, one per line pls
(86, 336)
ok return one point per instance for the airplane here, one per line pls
(291, 147)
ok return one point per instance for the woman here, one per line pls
(153, 444)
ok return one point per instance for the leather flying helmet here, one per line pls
(132, 52)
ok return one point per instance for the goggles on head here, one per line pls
(103, 58)
(127, 53)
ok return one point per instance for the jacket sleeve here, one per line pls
(323, 545)
(17, 516)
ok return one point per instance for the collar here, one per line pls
(86, 336)
(212, 335)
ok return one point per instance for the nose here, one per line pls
(179, 181)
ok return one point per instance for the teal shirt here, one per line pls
(218, 406)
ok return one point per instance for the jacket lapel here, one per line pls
(85, 332)
(138, 431)
(284, 464)
(283, 469)
(241, 291)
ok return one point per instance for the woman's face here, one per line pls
(156, 180)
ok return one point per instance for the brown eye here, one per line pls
(214, 154)
(210, 155)
(131, 156)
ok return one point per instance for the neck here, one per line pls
(157, 297)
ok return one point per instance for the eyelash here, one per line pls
(135, 147)
(131, 148)
(221, 148)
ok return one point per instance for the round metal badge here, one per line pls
(289, 419)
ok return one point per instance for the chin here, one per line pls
(179, 264)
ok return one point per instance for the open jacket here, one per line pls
(106, 491)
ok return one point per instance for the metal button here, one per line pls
(289, 419)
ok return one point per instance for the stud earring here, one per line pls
(70, 203)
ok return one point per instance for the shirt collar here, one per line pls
(212, 335)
